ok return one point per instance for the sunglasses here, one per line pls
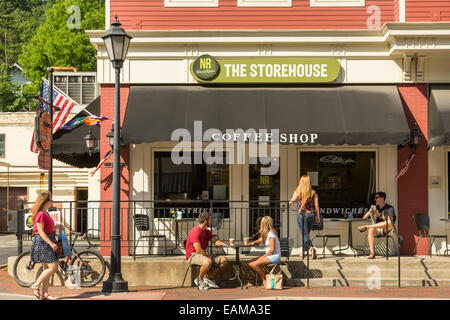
(377, 197)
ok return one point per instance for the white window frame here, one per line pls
(337, 3)
(190, 3)
(264, 3)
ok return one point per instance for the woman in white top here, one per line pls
(272, 244)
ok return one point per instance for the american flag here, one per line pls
(102, 162)
(405, 165)
(66, 105)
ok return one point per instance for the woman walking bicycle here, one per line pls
(43, 246)
(308, 201)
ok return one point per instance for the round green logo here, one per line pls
(206, 67)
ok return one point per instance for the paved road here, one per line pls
(8, 247)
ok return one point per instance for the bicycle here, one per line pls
(91, 264)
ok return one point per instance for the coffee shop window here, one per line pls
(344, 181)
(190, 188)
(2, 145)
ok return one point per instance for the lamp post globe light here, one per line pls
(116, 42)
(90, 140)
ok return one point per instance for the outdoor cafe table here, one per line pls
(237, 270)
(350, 235)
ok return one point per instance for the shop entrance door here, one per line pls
(264, 196)
(17, 196)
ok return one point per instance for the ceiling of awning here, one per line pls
(353, 114)
(439, 116)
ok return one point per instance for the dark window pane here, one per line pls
(344, 181)
(193, 183)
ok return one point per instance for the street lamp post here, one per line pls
(50, 150)
(117, 42)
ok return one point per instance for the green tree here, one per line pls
(61, 40)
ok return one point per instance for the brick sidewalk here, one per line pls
(9, 286)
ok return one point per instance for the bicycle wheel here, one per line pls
(92, 267)
(26, 273)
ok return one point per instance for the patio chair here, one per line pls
(319, 227)
(422, 221)
(188, 267)
(215, 226)
(146, 230)
(383, 236)
(285, 253)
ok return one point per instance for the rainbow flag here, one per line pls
(93, 120)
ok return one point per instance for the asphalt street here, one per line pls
(8, 247)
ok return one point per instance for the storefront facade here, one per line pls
(406, 57)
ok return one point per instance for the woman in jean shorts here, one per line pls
(273, 251)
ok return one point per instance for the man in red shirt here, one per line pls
(196, 244)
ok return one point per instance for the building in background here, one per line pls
(20, 176)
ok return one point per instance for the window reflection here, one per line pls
(344, 181)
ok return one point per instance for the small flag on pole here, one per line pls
(102, 162)
(406, 165)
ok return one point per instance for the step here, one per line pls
(408, 273)
(359, 282)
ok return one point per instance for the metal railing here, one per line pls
(169, 222)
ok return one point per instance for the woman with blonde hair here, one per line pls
(308, 201)
(273, 251)
(43, 247)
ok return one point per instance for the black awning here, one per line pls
(439, 116)
(351, 115)
(70, 147)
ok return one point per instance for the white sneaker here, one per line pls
(201, 284)
(210, 283)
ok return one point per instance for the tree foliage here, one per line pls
(43, 33)
(61, 40)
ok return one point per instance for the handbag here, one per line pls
(59, 249)
(62, 238)
(274, 281)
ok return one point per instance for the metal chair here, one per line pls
(285, 253)
(217, 219)
(188, 267)
(383, 236)
(422, 221)
(318, 227)
(146, 231)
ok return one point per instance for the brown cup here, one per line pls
(246, 241)
(231, 241)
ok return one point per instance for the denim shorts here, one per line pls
(274, 258)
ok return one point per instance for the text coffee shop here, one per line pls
(236, 141)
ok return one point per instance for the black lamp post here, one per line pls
(90, 140)
(117, 42)
(414, 138)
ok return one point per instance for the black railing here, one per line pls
(169, 222)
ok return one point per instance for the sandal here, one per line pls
(36, 291)
(362, 228)
(49, 297)
(371, 256)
